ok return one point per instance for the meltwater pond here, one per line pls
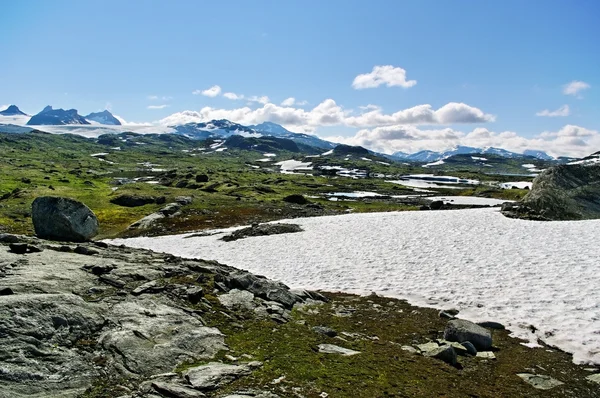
(517, 272)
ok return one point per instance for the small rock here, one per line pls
(18, 248)
(486, 355)
(216, 374)
(324, 330)
(471, 350)
(461, 330)
(85, 251)
(6, 291)
(149, 287)
(445, 353)
(194, 294)
(201, 178)
(410, 349)
(184, 200)
(102, 269)
(110, 280)
(445, 314)
(492, 325)
(296, 199)
(436, 205)
(540, 382)
(594, 378)
(176, 390)
(9, 238)
(427, 346)
(334, 349)
(458, 347)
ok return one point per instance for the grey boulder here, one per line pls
(63, 219)
(460, 330)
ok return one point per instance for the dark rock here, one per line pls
(18, 248)
(34, 249)
(181, 184)
(6, 291)
(492, 325)
(201, 178)
(127, 200)
(110, 280)
(103, 245)
(436, 205)
(296, 199)
(461, 330)
(184, 200)
(176, 390)
(170, 209)
(262, 287)
(9, 238)
(194, 294)
(149, 287)
(324, 330)
(471, 350)
(65, 219)
(262, 230)
(85, 251)
(102, 269)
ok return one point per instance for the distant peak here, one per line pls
(48, 108)
(13, 110)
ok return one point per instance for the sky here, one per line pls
(388, 75)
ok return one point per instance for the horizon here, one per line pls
(388, 76)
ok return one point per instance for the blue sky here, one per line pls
(505, 61)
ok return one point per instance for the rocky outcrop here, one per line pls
(50, 116)
(262, 230)
(128, 200)
(69, 321)
(565, 192)
(460, 330)
(63, 219)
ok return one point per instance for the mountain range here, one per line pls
(224, 129)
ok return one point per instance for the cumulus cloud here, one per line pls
(261, 100)
(570, 140)
(575, 87)
(288, 101)
(389, 75)
(233, 96)
(209, 92)
(451, 113)
(162, 106)
(562, 111)
(158, 97)
(133, 124)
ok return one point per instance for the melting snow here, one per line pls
(327, 153)
(518, 184)
(289, 166)
(490, 267)
(468, 200)
(439, 162)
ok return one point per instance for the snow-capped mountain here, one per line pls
(49, 116)
(271, 128)
(104, 117)
(276, 130)
(214, 128)
(12, 110)
(431, 156)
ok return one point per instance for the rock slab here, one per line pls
(461, 330)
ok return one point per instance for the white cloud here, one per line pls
(209, 92)
(157, 97)
(575, 87)
(4, 107)
(261, 100)
(153, 97)
(387, 74)
(451, 113)
(288, 101)
(162, 106)
(570, 140)
(562, 111)
(233, 96)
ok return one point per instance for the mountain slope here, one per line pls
(104, 117)
(49, 116)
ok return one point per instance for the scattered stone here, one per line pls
(194, 294)
(9, 238)
(176, 390)
(18, 248)
(460, 330)
(447, 315)
(110, 280)
(201, 178)
(102, 269)
(149, 287)
(470, 347)
(444, 353)
(170, 209)
(57, 218)
(334, 349)
(324, 330)
(492, 325)
(540, 382)
(85, 251)
(262, 287)
(486, 355)
(127, 200)
(594, 378)
(240, 299)
(184, 200)
(6, 291)
(436, 205)
(410, 349)
(216, 374)
(262, 230)
(427, 346)
(458, 347)
(296, 199)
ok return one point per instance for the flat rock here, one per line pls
(594, 378)
(217, 374)
(240, 299)
(176, 390)
(324, 330)
(334, 349)
(540, 382)
(427, 346)
(486, 355)
(460, 330)
(445, 353)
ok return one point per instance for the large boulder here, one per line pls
(460, 330)
(63, 219)
(565, 192)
